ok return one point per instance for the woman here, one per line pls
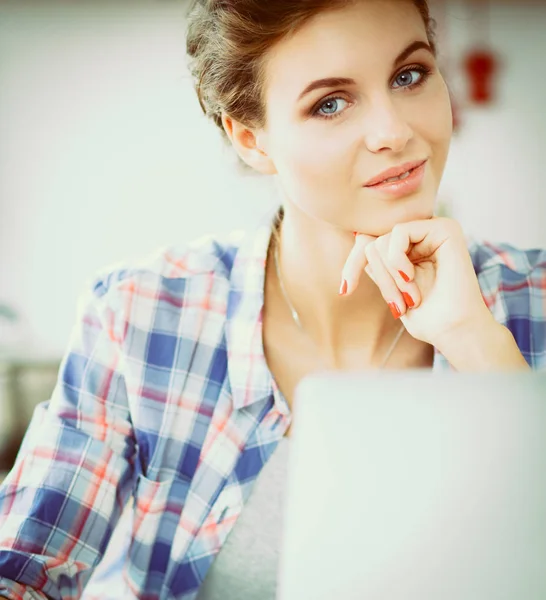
(178, 384)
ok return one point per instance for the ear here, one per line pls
(245, 142)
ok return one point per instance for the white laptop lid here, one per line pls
(415, 486)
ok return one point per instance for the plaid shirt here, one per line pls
(164, 414)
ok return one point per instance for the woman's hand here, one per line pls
(425, 273)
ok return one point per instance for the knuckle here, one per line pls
(450, 225)
(396, 229)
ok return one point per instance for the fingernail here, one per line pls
(408, 299)
(395, 310)
(343, 288)
(355, 233)
(404, 276)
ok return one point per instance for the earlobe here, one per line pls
(259, 146)
(259, 160)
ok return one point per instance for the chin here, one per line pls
(415, 211)
(384, 221)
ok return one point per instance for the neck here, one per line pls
(311, 257)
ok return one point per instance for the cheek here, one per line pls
(432, 125)
(310, 161)
(437, 127)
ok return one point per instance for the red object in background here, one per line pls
(481, 66)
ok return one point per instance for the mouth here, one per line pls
(395, 174)
(399, 178)
(402, 184)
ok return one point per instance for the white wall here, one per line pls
(104, 154)
(495, 168)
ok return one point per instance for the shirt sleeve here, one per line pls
(537, 310)
(75, 469)
(513, 282)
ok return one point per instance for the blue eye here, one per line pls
(409, 79)
(329, 107)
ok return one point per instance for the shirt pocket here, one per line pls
(157, 508)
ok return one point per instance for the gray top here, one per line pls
(246, 566)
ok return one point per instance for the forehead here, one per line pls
(343, 42)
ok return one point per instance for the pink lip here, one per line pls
(402, 187)
(394, 172)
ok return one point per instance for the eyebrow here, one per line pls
(328, 82)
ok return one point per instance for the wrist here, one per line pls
(480, 345)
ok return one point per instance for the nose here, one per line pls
(386, 128)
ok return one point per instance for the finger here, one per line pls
(420, 239)
(369, 272)
(408, 296)
(356, 262)
(399, 246)
(409, 289)
(386, 284)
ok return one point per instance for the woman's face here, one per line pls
(328, 142)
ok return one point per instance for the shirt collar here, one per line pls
(249, 375)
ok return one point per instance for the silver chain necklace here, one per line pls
(296, 316)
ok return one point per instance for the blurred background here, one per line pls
(105, 156)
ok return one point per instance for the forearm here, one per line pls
(484, 346)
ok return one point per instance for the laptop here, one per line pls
(416, 485)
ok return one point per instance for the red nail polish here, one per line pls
(343, 288)
(355, 233)
(408, 299)
(404, 276)
(395, 310)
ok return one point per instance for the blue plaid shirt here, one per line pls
(164, 414)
